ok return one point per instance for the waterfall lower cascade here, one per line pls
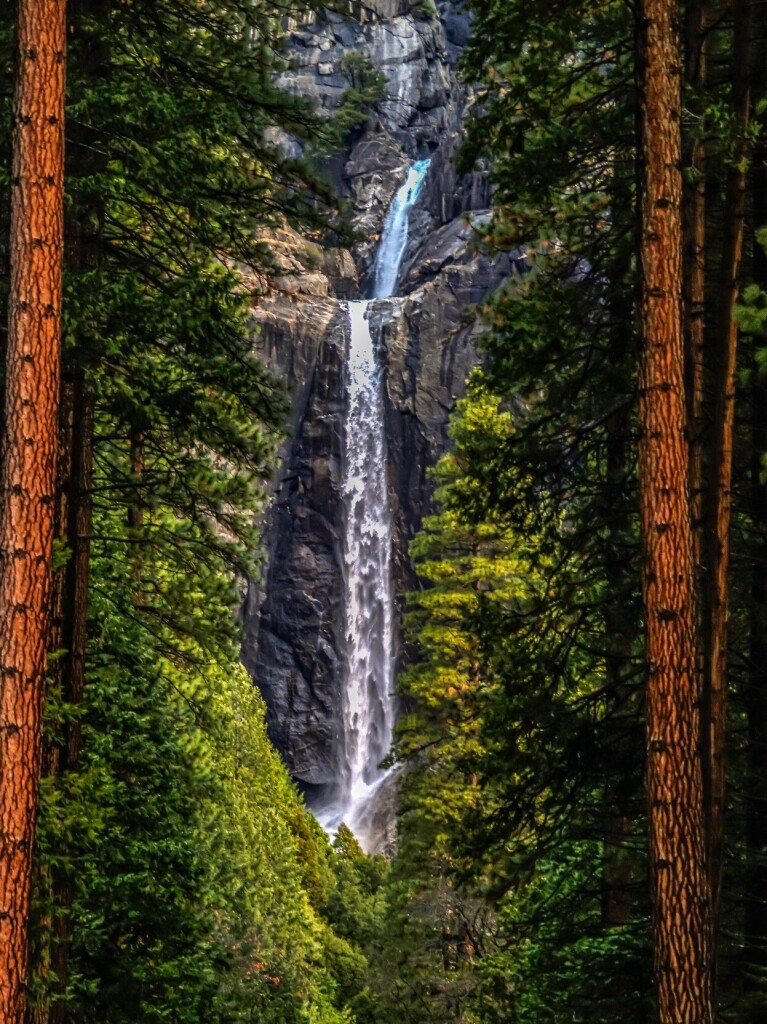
(368, 690)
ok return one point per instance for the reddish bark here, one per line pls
(29, 464)
(716, 546)
(694, 241)
(681, 926)
(755, 693)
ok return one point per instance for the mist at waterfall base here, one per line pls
(368, 709)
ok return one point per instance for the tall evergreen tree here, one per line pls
(681, 900)
(168, 425)
(555, 96)
(28, 466)
(163, 404)
(506, 848)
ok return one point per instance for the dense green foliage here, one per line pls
(176, 101)
(523, 817)
(182, 911)
(179, 877)
(547, 817)
(510, 851)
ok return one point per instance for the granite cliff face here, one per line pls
(294, 620)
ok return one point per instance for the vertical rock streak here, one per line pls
(368, 691)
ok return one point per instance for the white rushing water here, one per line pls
(395, 233)
(368, 693)
(368, 708)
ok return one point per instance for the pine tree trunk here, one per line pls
(681, 927)
(717, 534)
(755, 902)
(694, 270)
(755, 917)
(79, 486)
(83, 229)
(695, 255)
(29, 464)
(44, 926)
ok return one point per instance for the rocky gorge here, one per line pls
(295, 644)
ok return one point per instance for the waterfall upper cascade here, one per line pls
(395, 233)
(368, 691)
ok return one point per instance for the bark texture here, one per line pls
(694, 240)
(29, 464)
(694, 208)
(755, 891)
(682, 941)
(87, 62)
(719, 503)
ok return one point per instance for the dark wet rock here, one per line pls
(294, 620)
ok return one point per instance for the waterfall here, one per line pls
(368, 688)
(395, 232)
(368, 705)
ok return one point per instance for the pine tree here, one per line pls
(505, 843)
(28, 469)
(162, 208)
(557, 98)
(168, 425)
(681, 909)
